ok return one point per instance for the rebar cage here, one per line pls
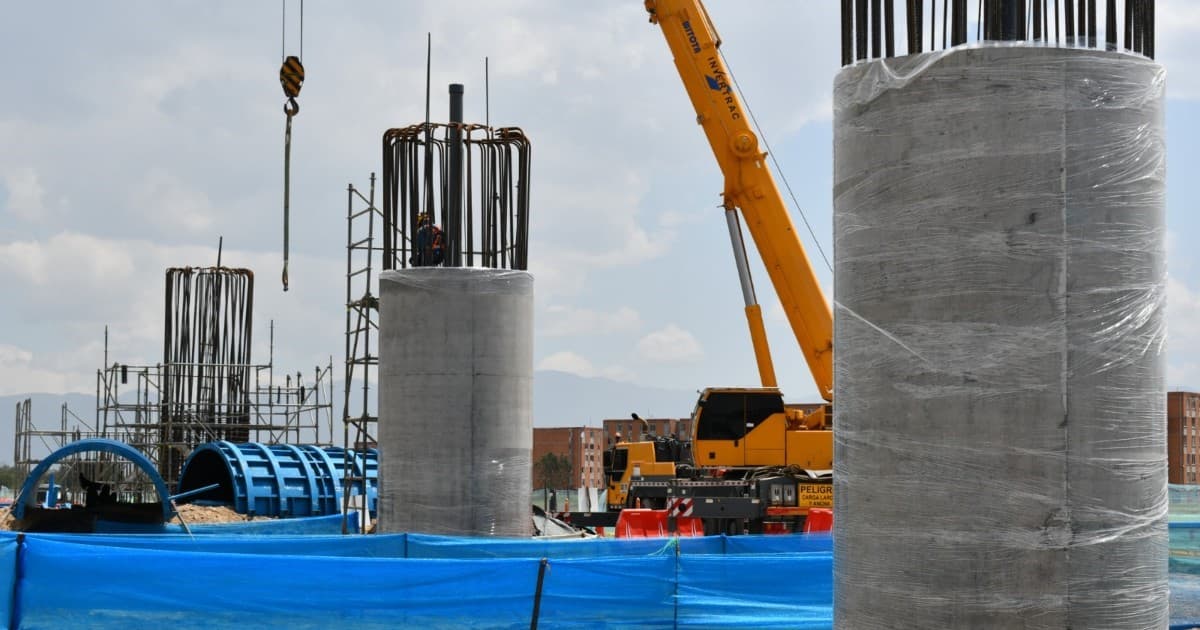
(472, 180)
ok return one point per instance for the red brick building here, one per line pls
(631, 430)
(1183, 437)
(582, 446)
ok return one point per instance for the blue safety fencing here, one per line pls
(303, 526)
(405, 580)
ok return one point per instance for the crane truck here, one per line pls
(754, 465)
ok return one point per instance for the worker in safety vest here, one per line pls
(427, 245)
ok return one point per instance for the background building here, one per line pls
(1183, 444)
(580, 450)
(630, 429)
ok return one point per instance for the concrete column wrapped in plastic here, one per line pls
(277, 479)
(999, 288)
(455, 394)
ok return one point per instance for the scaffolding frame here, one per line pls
(362, 340)
(278, 413)
(26, 433)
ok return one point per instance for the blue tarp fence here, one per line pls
(407, 580)
(410, 580)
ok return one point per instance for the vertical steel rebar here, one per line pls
(889, 28)
(876, 29)
(847, 36)
(1091, 24)
(860, 30)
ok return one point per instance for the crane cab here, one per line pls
(751, 427)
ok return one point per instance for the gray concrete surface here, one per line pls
(455, 399)
(999, 402)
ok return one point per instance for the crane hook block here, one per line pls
(291, 76)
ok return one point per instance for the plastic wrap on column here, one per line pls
(999, 289)
(455, 392)
(278, 479)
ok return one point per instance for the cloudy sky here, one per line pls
(134, 134)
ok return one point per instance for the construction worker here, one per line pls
(427, 245)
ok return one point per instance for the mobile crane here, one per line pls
(755, 465)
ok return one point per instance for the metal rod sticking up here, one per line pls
(868, 29)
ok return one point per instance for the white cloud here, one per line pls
(1183, 334)
(573, 363)
(20, 373)
(670, 345)
(169, 202)
(24, 193)
(568, 362)
(565, 321)
(75, 285)
(65, 258)
(1177, 44)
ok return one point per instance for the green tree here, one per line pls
(553, 471)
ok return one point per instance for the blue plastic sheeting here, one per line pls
(378, 546)
(428, 546)
(72, 585)
(365, 581)
(1185, 547)
(1185, 601)
(308, 525)
(756, 591)
(779, 544)
(8, 576)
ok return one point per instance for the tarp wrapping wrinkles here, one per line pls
(109, 581)
(1000, 281)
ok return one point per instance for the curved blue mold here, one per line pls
(278, 479)
(120, 449)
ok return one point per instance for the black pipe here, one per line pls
(1081, 31)
(918, 21)
(1037, 19)
(910, 29)
(452, 231)
(1128, 24)
(960, 23)
(1137, 25)
(876, 29)
(847, 36)
(1150, 29)
(860, 29)
(1110, 25)
(889, 28)
(1091, 23)
(537, 595)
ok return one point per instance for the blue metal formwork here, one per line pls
(97, 445)
(278, 479)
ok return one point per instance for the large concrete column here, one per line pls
(1000, 454)
(455, 400)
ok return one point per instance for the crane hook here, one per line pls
(291, 77)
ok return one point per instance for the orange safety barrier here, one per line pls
(641, 523)
(819, 520)
(689, 526)
(645, 523)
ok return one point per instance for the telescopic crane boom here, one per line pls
(750, 188)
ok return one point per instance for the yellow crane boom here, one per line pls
(750, 188)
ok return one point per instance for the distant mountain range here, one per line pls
(566, 400)
(559, 400)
